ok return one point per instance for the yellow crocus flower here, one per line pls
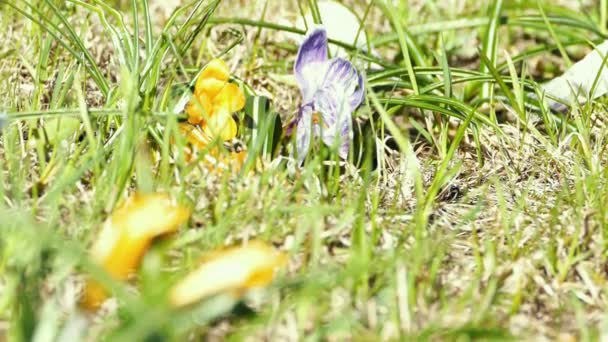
(215, 159)
(214, 100)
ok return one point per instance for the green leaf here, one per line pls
(490, 46)
(58, 129)
(266, 127)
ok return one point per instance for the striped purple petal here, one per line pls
(346, 136)
(336, 130)
(344, 78)
(303, 133)
(332, 89)
(326, 104)
(310, 63)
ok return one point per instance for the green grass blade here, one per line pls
(390, 12)
(490, 45)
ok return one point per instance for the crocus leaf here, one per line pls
(585, 80)
(266, 127)
(364, 146)
(185, 94)
(233, 271)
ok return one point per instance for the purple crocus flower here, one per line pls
(331, 90)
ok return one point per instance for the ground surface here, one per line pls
(501, 237)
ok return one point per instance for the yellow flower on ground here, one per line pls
(231, 271)
(214, 101)
(126, 236)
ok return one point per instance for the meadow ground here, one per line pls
(477, 215)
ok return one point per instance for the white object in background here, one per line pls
(3, 120)
(576, 83)
(340, 23)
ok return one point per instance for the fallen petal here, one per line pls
(232, 271)
(150, 215)
(126, 236)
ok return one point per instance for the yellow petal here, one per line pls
(126, 236)
(119, 254)
(149, 216)
(215, 69)
(199, 108)
(210, 86)
(216, 159)
(194, 135)
(221, 125)
(234, 270)
(230, 98)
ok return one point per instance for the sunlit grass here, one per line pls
(473, 212)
